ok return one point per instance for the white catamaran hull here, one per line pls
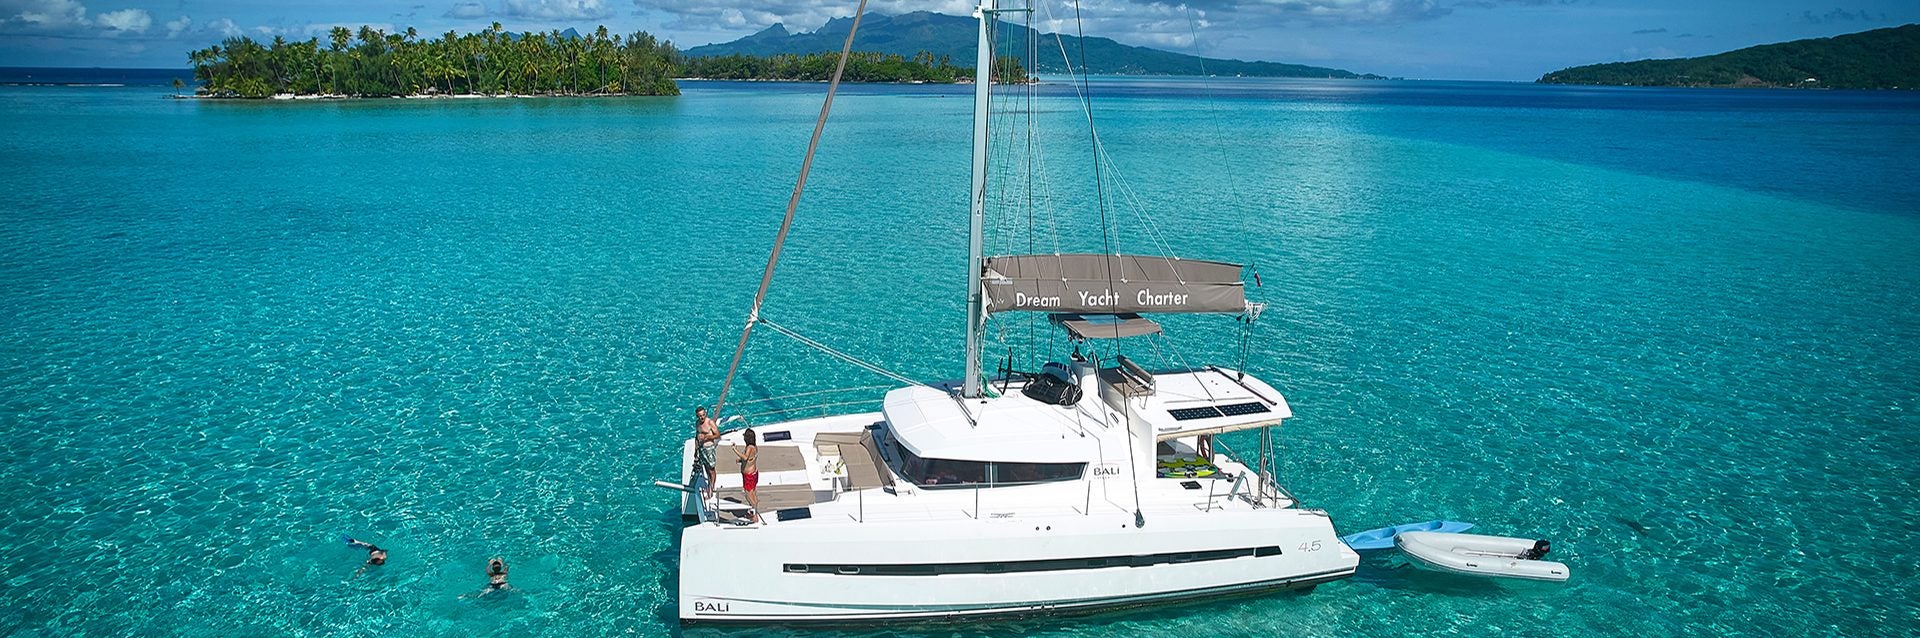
(877, 571)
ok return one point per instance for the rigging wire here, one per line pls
(1213, 109)
(1083, 92)
(1106, 243)
(793, 203)
(1002, 207)
(836, 353)
(1031, 68)
(1109, 233)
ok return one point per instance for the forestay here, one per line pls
(1112, 284)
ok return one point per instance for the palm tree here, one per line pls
(449, 49)
(338, 37)
(597, 54)
(532, 61)
(177, 85)
(312, 51)
(619, 64)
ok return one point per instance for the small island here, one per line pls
(493, 62)
(1878, 59)
(498, 63)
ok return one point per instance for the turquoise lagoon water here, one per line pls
(1674, 331)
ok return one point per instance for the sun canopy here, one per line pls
(1106, 326)
(1112, 284)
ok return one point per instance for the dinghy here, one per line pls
(1383, 538)
(1475, 555)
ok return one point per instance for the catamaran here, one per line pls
(1093, 482)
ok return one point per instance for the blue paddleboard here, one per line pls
(1383, 538)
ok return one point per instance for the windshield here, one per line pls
(945, 473)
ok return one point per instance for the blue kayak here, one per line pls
(1383, 538)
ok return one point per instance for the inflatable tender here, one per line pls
(1475, 555)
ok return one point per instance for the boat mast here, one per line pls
(976, 310)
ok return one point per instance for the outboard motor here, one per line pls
(1540, 549)
(1054, 385)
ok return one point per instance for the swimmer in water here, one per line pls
(375, 556)
(496, 578)
(496, 575)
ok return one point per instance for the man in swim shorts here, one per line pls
(706, 447)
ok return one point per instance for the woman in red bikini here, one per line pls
(750, 472)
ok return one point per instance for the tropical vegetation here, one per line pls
(374, 63)
(1878, 59)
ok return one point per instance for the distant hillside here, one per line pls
(954, 37)
(1877, 59)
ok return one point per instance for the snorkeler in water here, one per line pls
(375, 556)
(496, 575)
(496, 578)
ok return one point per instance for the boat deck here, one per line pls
(773, 458)
(837, 467)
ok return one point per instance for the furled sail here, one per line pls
(1110, 284)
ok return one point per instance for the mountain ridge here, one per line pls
(1886, 58)
(955, 38)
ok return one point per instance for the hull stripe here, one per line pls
(1027, 609)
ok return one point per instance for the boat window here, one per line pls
(1025, 473)
(943, 473)
(939, 473)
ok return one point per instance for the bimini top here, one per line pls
(1106, 326)
(1112, 284)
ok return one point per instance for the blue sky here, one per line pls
(1442, 39)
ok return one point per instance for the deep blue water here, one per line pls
(1673, 330)
(94, 76)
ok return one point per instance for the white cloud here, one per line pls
(44, 14)
(1155, 21)
(224, 27)
(549, 10)
(558, 9)
(175, 27)
(797, 15)
(324, 30)
(467, 11)
(125, 21)
(1342, 11)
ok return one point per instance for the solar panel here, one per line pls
(1212, 412)
(1189, 414)
(1238, 409)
